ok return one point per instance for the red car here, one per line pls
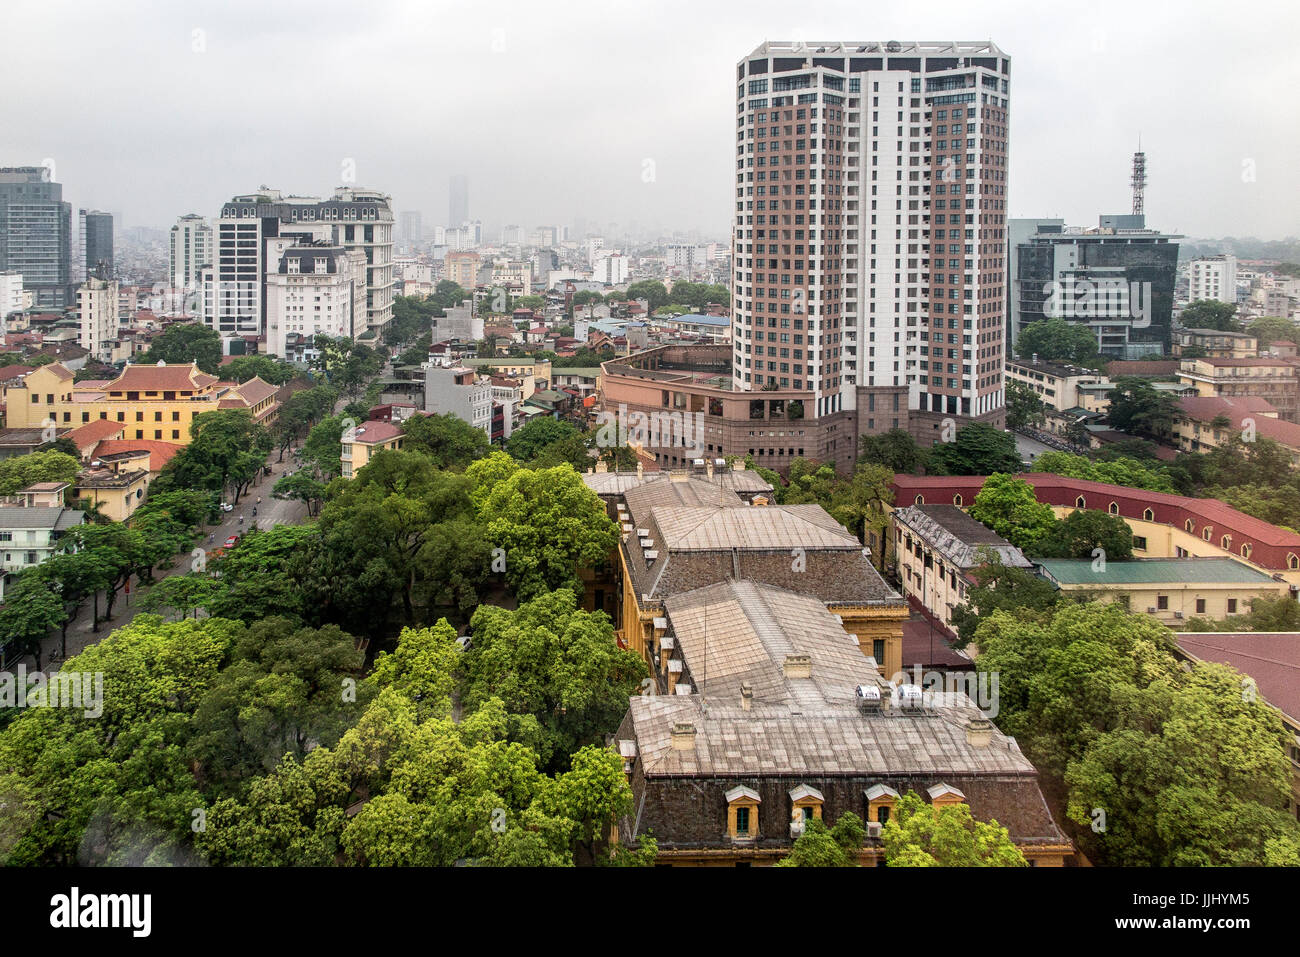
(232, 541)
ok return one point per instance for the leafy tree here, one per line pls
(978, 449)
(1139, 408)
(1081, 532)
(20, 471)
(1024, 405)
(1209, 314)
(1008, 505)
(593, 793)
(324, 446)
(895, 449)
(448, 441)
(1058, 340)
(1270, 329)
(555, 662)
(919, 835)
(184, 343)
(264, 576)
(998, 587)
(650, 289)
(547, 521)
(227, 449)
(1118, 471)
(816, 847)
(527, 443)
(242, 368)
(31, 610)
(183, 594)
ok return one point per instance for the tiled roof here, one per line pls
(372, 433)
(618, 483)
(160, 453)
(1271, 658)
(1208, 408)
(958, 537)
(1147, 571)
(14, 372)
(708, 528)
(177, 377)
(57, 519)
(96, 431)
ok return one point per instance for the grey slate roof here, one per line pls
(957, 537)
(57, 519)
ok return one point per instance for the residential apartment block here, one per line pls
(869, 242)
(1213, 278)
(1277, 381)
(97, 314)
(315, 288)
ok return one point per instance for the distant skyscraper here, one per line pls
(411, 228)
(36, 234)
(191, 249)
(870, 231)
(458, 208)
(95, 245)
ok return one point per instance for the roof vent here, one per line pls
(683, 736)
(869, 698)
(746, 696)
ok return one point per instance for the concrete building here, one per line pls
(460, 322)
(95, 243)
(411, 230)
(937, 547)
(1203, 423)
(460, 392)
(361, 442)
(1215, 344)
(234, 294)
(11, 296)
(97, 312)
(865, 262)
(462, 269)
(767, 718)
(611, 269)
(190, 249)
(1057, 384)
(1277, 381)
(313, 289)
(31, 524)
(1213, 278)
(458, 200)
(36, 234)
(1171, 589)
(1118, 279)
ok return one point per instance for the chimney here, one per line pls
(601, 467)
(640, 469)
(798, 666)
(979, 732)
(683, 737)
(738, 465)
(708, 469)
(746, 696)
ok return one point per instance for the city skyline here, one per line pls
(629, 147)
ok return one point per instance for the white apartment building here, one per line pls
(314, 289)
(191, 249)
(11, 296)
(611, 270)
(514, 273)
(97, 310)
(1213, 278)
(352, 218)
(869, 243)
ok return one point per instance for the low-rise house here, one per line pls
(117, 483)
(361, 442)
(32, 523)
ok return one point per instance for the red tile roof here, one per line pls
(90, 434)
(1271, 658)
(1207, 408)
(374, 432)
(177, 377)
(8, 373)
(1270, 545)
(257, 389)
(160, 453)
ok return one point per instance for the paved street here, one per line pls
(271, 512)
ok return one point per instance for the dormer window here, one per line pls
(1190, 526)
(945, 795)
(1207, 532)
(1080, 502)
(805, 805)
(742, 813)
(880, 802)
(956, 499)
(920, 500)
(1149, 515)
(1226, 541)
(292, 265)
(1114, 508)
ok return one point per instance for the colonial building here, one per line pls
(1275, 380)
(937, 547)
(361, 442)
(689, 531)
(768, 715)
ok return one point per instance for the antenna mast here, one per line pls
(1139, 180)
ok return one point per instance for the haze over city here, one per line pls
(620, 113)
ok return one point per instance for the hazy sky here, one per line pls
(154, 109)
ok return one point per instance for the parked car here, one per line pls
(226, 507)
(232, 541)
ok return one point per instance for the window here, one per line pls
(1162, 602)
(920, 500)
(1149, 515)
(1114, 508)
(1226, 541)
(1080, 502)
(956, 499)
(742, 813)
(1139, 543)
(1232, 606)
(742, 822)
(1189, 525)
(1207, 532)
(878, 651)
(1200, 606)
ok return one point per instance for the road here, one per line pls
(272, 511)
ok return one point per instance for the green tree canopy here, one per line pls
(977, 449)
(919, 835)
(1008, 505)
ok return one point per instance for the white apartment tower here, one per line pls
(1213, 278)
(869, 246)
(97, 310)
(191, 250)
(314, 288)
